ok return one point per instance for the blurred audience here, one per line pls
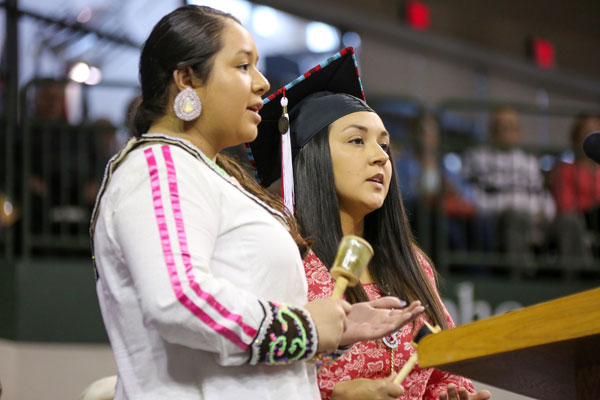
(417, 164)
(49, 102)
(509, 188)
(576, 189)
(49, 106)
(426, 184)
(61, 163)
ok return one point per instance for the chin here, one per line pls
(250, 135)
(374, 206)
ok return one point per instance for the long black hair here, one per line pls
(394, 267)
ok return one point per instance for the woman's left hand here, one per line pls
(461, 394)
(376, 319)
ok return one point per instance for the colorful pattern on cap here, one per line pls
(272, 96)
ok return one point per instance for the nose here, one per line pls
(378, 155)
(260, 84)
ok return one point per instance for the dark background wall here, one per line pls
(504, 26)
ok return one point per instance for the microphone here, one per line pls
(591, 146)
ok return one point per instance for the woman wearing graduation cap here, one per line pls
(343, 183)
(199, 274)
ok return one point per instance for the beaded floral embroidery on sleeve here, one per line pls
(287, 334)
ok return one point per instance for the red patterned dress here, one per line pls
(371, 359)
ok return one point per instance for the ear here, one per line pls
(183, 78)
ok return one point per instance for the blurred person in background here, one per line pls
(417, 163)
(426, 184)
(49, 107)
(509, 188)
(61, 157)
(576, 189)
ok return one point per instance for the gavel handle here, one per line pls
(403, 373)
(340, 287)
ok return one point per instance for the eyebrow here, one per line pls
(356, 126)
(365, 129)
(248, 53)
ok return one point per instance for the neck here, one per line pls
(351, 224)
(173, 126)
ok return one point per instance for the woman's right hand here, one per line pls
(330, 319)
(378, 318)
(367, 389)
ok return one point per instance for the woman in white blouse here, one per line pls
(199, 272)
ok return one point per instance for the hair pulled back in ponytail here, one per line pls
(190, 36)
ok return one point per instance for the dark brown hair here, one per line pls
(190, 36)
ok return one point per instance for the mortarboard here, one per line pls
(315, 99)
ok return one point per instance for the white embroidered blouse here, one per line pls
(191, 272)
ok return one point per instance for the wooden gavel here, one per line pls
(353, 256)
(425, 330)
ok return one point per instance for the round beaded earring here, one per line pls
(187, 105)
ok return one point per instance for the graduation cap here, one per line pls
(315, 99)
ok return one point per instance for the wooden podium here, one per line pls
(549, 351)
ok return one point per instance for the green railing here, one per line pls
(58, 172)
(51, 174)
(52, 168)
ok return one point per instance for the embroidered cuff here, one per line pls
(287, 334)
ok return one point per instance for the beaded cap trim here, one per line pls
(274, 95)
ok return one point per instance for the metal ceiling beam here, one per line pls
(476, 58)
(64, 23)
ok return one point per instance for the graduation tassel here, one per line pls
(287, 172)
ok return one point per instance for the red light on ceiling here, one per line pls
(543, 52)
(417, 15)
